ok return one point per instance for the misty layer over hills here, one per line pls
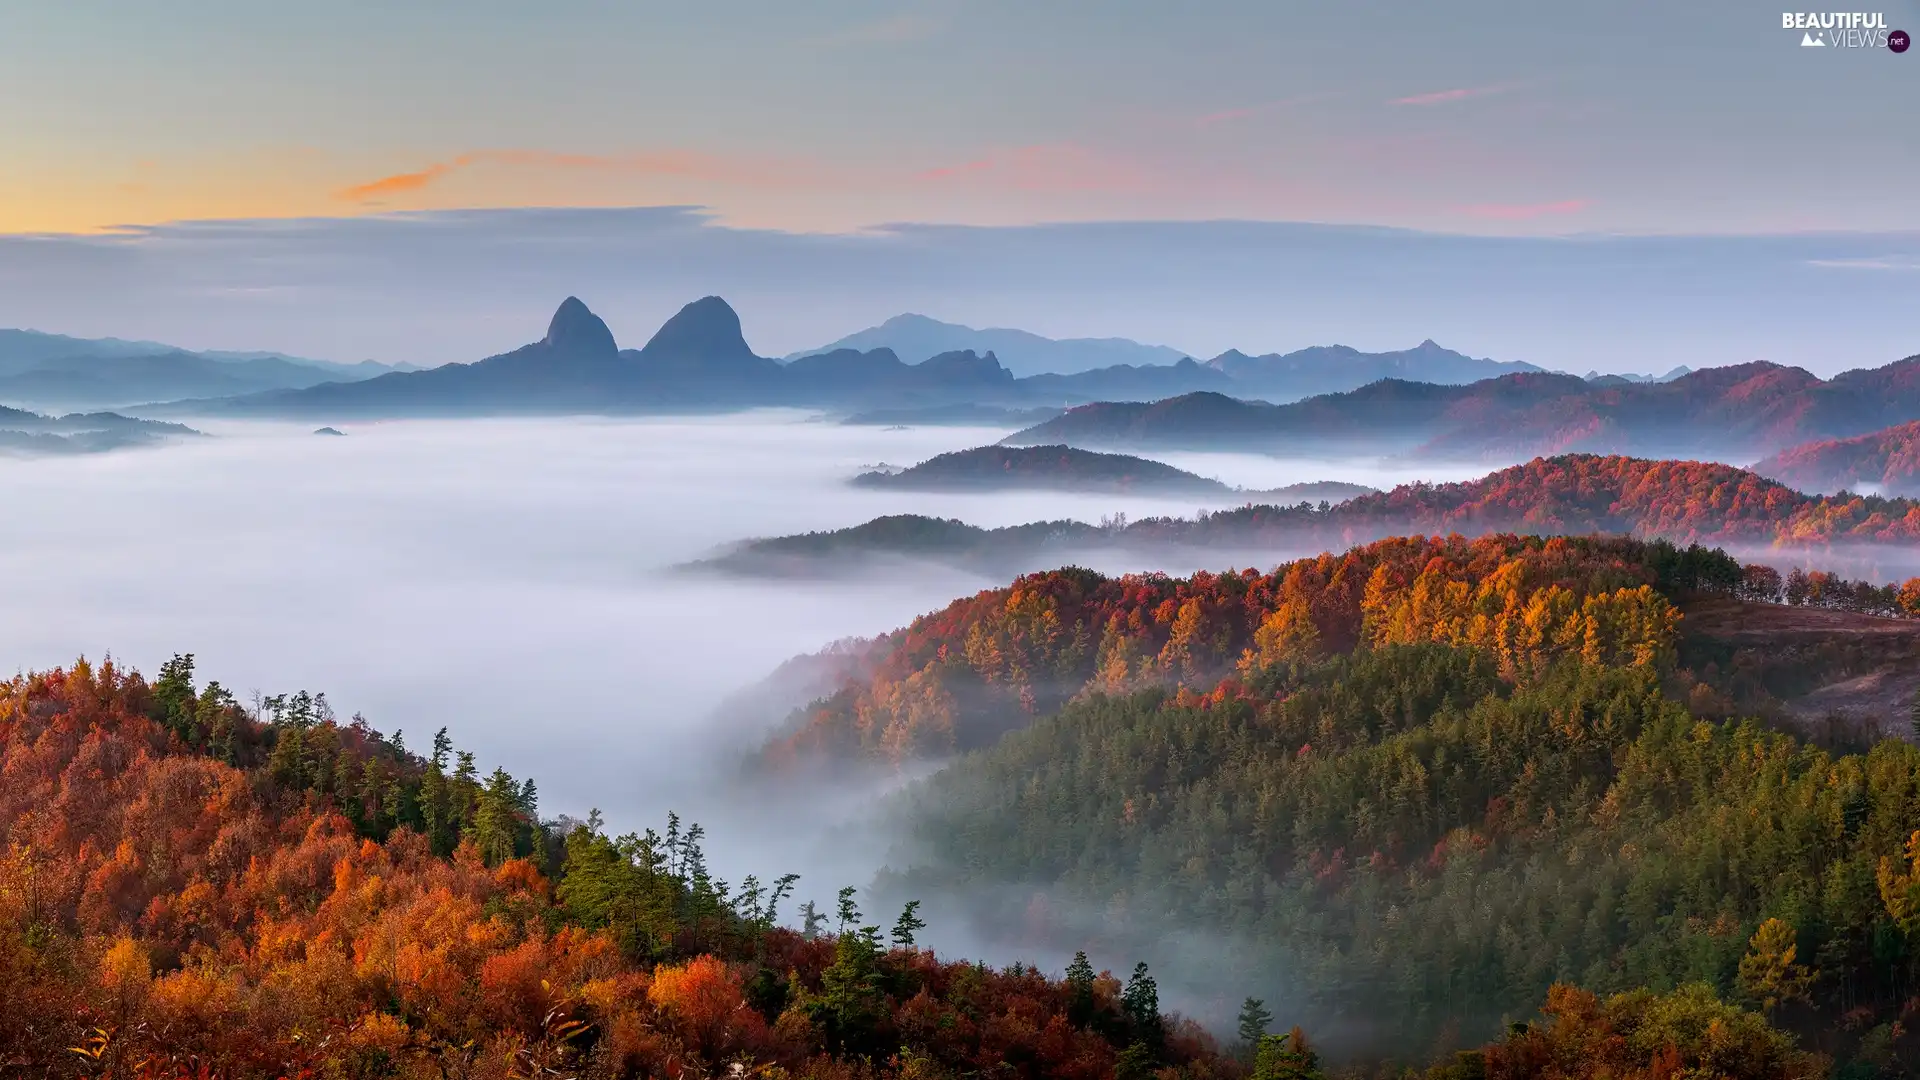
(55, 371)
(1575, 494)
(506, 578)
(31, 434)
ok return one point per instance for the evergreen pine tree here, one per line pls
(905, 926)
(1254, 1018)
(1141, 1000)
(1080, 990)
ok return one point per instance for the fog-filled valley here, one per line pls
(511, 580)
(1182, 768)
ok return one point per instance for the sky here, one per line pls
(844, 118)
(1474, 116)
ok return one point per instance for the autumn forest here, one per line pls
(1471, 808)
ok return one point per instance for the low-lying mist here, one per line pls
(506, 579)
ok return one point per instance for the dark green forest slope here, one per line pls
(1406, 833)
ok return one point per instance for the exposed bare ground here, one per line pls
(1743, 623)
(1864, 670)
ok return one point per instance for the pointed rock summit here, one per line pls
(574, 329)
(707, 329)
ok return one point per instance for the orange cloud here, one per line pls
(393, 185)
(742, 172)
(1439, 97)
(1525, 211)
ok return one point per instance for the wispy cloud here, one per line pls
(1441, 97)
(1876, 262)
(398, 183)
(682, 163)
(1524, 211)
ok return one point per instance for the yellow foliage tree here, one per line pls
(1768, 973)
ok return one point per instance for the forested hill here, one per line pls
(1682, 501)
(1406, 844)
(1060, 468)
(1886, 461)
(1406, 789)
(192, 890)
(960, 678)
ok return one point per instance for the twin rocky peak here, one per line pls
(707, 328)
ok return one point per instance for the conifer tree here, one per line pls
(1254, 1018)
(905, 926)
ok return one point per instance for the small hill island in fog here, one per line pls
(1055, 468)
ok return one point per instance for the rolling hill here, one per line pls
(1743, 412)
(1885, 461)
(1056, 468)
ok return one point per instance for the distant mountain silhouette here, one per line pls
(1325, 369)
(575, 329)
(1630, 377)
(916, 337)
(1736, 413)
(700, 360)
(1886, 462)
(52, 370)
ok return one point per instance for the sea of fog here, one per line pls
(506, 579)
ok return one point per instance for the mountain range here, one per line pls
(55, 371)
(699, 360)
(1741, 412)
(914, 338)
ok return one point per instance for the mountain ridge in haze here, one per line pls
(700, 360)
(914, 337)
(1886, 461)
(1742, 411)
(53, 370)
